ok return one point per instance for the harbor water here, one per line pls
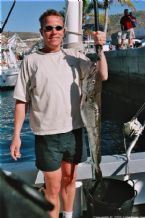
(112, 125)
(7, 105)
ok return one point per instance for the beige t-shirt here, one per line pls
(51, 84)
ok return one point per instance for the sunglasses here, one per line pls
(50, 28)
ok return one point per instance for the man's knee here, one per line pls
(52, 185)
(68, 180)
(52, 192)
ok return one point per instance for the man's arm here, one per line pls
(100, 39)
(103, 67)
(20, 112)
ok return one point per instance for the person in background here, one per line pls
(49, 84)
(127, 29)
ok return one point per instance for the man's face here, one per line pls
(126, 12)
(52, 32)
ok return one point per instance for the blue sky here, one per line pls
(25, 15)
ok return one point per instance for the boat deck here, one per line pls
(112, 166)
(138, 211)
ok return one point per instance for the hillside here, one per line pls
(23, 35)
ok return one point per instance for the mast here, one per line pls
(73, 24)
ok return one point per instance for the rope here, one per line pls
(138, 133)
(132, 144)
(80, 34)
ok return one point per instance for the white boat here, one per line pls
(10, 60)
(9, 69)
(8, 77)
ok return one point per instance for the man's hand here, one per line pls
(15, 148)
(99, 37)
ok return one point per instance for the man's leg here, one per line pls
(53, 184)
(68, 188)
(131, 36)
(123, 39)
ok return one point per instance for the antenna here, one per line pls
(6, 20)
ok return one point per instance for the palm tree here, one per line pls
(128, 3)
(106, 7)
(88, 7)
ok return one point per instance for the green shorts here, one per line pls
(51, 150)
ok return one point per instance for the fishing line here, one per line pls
(139, 111)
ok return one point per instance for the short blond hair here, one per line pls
(50, 12)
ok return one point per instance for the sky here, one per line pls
(25, 15)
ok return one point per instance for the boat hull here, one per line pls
(8, 78)
(126, 74)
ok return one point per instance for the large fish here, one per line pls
(91, 114)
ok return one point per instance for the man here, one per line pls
(49, 83)
(127, 29)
